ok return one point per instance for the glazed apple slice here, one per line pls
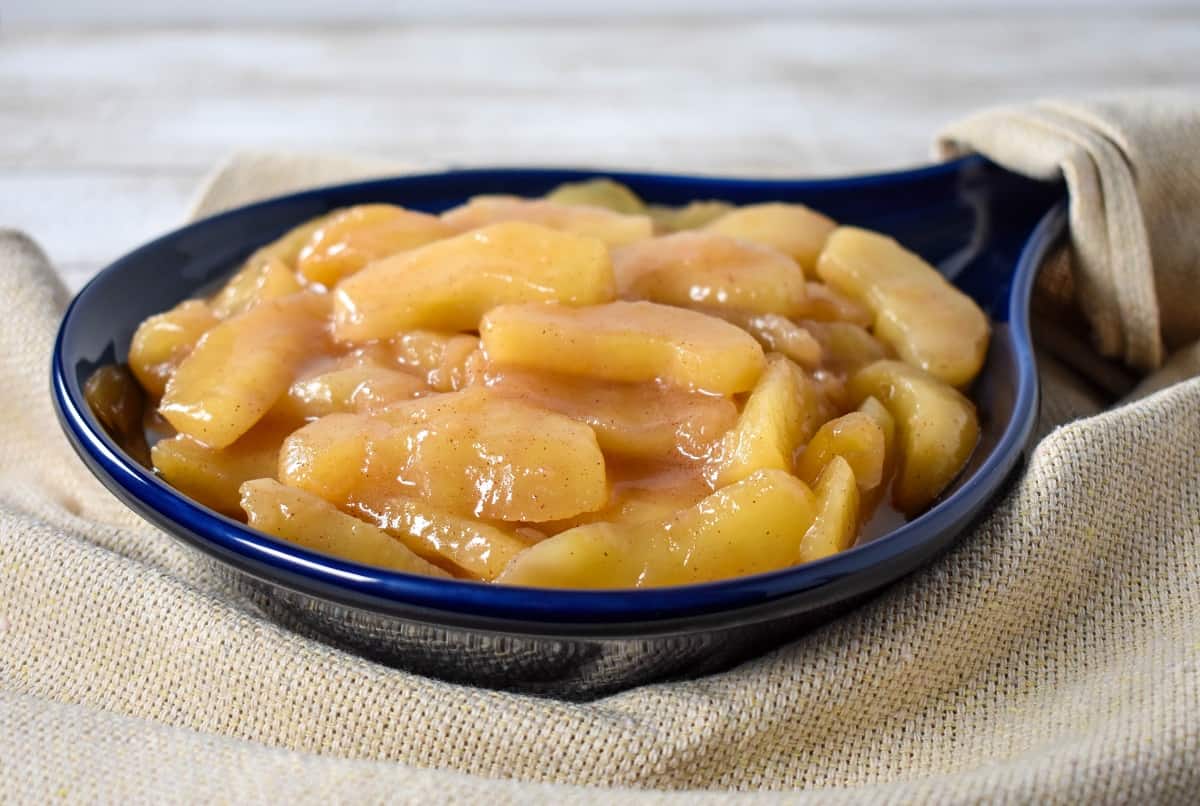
(443, 359)
(709, 270)
(213, 476)
(752, 526)
(636, 421)
(936, 429)
(844, 346)
(348, 389)
(823, 304)
(793, 229)
(242, 366)
(610, 227)
(857, 438)
(477, 549)
(927, 321)
(835, 526)
(450, 284)
(471, 452)
(887, 426)
(777, 417)
(629, 342)
(162, 341)
(598, 192)
(269, 278)
(313, 523)
(351, 238)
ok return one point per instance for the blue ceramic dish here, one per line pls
(984, 228)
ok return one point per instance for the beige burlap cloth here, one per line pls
(1054, 655)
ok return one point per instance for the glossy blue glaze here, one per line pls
(983, 227)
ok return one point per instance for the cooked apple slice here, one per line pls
(775, 420)
(162, 341)
(639, 421)
(927, 321)
(631, 342)
(353, 237)
(793, 229)
(213, 476)
(598, 192)
(308, 521)
(887, 424)
(286, 248)
(479, 550)
(442, 358)
(340, 455)
(470, 452)
(118, 401)
(692, 215)
(836, 525)
(936, 429)
(829, 389)
(462, 365)
(370, 354)
(269, 278)
(779, 334)
(241, 367)
(612, 228)
(857, 438)
(361, 388)
(746, 528)
(501, 459)
(709, 270)
(823, 304)
(451, 283)
(657, 502)
(595, 555)
(844, 346)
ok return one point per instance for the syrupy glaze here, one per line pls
(480, 386)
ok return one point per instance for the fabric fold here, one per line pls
(1130, 170)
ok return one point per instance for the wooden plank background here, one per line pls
(105, 132)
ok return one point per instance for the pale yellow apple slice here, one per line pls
(598, 192)
(213, 476)
(887, 425)
(638, 421)
(351, 238)
(709, 270)
(348, 389)
(793, 229)
(242, 366)
(927, 321)
(444, 359)
(471, 452)
(479, 550)
(450, 284)
(776, 419)
(610, 227)
(856, 437)
(750, 527)
(308, 521)
(835, 527)
(630, 342)
(162, 341)
(936, 429)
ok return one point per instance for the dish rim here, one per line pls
(538, 610)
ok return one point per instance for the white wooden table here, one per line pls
(105, 134)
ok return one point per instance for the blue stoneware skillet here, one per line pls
(985, 228)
